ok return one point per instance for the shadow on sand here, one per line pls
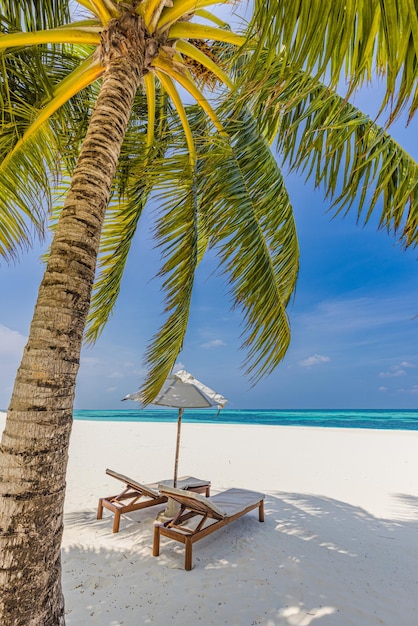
(315, 560)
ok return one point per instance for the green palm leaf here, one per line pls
(27, 15)
(181, 234)
(360, 38)
(28, 174)
(177, 234)
(250, 223)
(343, 150)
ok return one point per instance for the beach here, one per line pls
(338, 547)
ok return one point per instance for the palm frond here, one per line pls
(119, 230)
(149, 84)
(362, 38)
(27, 15)
(25, 197)
(82, 77)
(192, 30)
(172, 14)
(182, 236)
(341, 149)
(211, 17)
(250, 223)
(170, 88)
(169, 68)
(34, 82)
(73, 35)
(151, 11)
(104, 9)
(192, 52)
(177, 235)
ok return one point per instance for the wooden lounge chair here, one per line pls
(222, 509)
(137, 496)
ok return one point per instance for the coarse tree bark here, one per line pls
(34, 448)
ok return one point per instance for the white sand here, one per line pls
(339, 545)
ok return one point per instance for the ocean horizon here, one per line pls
(380, 419)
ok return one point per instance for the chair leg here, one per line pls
(156, 543)
(100, 509)
(261, 511)
(188, 555)
(116, 522)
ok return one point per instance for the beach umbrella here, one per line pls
(183, 391)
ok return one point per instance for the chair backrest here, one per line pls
(130, 482)
(193, 501)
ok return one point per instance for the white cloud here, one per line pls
(214, 343)
(115, 375)
(315, 359)
(346, 316)
(396, 370)
(11, 341)
(382, 388)
(141, 372)
(393, 373)
(413, 390)
(178, 366)
(129, 364)
(90, 360)
(12, 344)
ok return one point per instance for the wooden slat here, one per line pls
(174, 530)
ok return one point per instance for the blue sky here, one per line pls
(354, 319)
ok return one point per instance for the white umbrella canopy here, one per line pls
(183, 391)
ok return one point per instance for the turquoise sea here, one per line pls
(369, 418)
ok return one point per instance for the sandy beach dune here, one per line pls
(339, 545)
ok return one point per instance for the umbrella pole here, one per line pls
(177, 446)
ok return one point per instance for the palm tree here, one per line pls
(99, 107)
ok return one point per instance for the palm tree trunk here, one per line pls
(34, 448)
